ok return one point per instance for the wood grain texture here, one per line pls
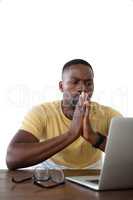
(67, 191)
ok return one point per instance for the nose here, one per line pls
(81, 88)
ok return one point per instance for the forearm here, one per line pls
(21, 155)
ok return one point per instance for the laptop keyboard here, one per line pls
(96, 181)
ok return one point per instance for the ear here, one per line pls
(61, 86)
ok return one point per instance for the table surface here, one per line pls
(67, 191)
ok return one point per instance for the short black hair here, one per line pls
(75, 62)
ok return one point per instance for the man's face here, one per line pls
(78, 78)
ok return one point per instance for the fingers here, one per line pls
(80, 103)
(83, 98)
(84, 104)
(87, 110)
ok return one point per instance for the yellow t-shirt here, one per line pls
(47, 120)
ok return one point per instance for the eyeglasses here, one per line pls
(44, 177)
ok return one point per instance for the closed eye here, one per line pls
(89, 83)
(75, 82)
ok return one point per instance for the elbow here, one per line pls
(11, 160)
(10, 163)
(10, 166)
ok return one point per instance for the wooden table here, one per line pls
(67, 191)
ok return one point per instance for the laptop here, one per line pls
(117, 169)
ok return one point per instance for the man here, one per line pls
(71, 132)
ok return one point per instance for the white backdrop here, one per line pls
(38, 37)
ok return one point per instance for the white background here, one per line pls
(38, 37)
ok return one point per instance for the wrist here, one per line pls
(93, 138)
(99, 140)
(73, 134)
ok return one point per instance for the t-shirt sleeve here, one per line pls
(34, 122)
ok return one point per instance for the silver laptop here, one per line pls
(117, 170)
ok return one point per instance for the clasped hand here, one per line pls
(81, 123)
